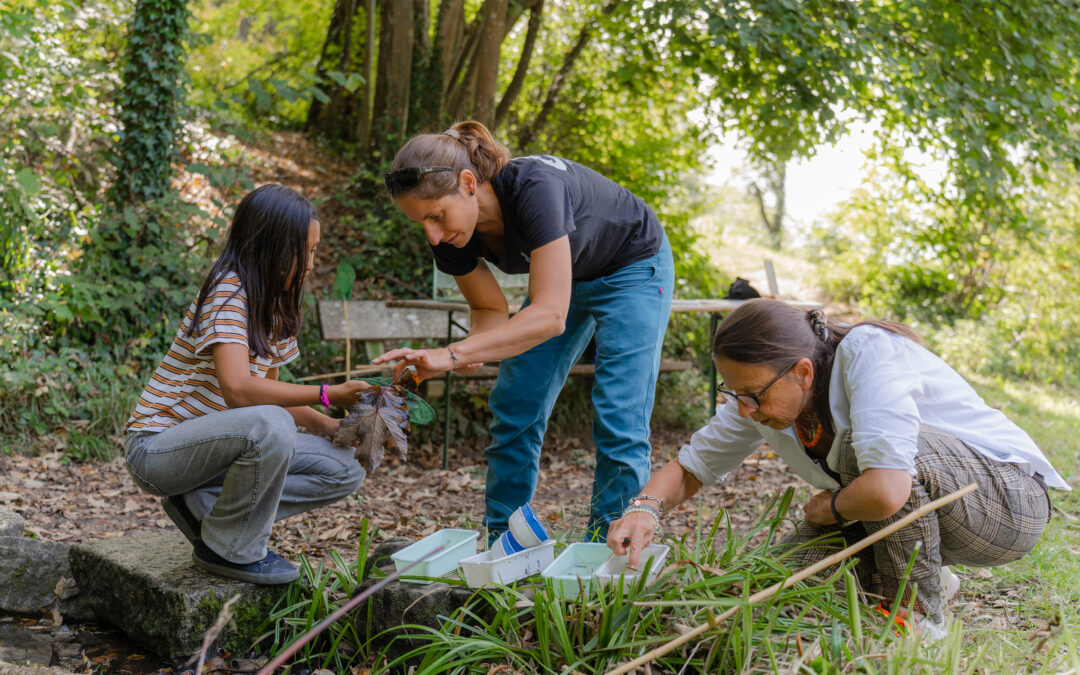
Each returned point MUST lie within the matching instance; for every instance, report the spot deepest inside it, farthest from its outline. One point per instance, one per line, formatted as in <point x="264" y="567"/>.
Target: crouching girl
<point x="214" y="433"/>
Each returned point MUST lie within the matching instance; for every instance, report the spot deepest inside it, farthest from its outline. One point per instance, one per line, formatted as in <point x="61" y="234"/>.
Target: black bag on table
<point x="741" y="289"/>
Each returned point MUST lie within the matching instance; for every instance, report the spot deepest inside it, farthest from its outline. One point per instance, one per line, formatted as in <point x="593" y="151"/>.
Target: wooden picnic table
<point x="715" y="307"/>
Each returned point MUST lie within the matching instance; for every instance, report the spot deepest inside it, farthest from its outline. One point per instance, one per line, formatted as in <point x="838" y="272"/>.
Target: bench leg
<point x="446" y="395"/>
<point x="714" y="321"/>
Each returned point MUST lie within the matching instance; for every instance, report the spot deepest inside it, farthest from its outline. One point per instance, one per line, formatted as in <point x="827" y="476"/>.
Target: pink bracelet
<point x="324" y="398"/>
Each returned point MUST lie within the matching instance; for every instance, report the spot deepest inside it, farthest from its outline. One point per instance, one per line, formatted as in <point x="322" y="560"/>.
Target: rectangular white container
<point x="486" y="569"/>
<point x="458" y="544"/>
<point x="574" y="569"/>
<point x="615" y="567"/>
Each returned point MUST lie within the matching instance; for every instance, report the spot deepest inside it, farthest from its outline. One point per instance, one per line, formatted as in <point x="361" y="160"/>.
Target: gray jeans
<point x="239" y="470"/>
<point x="999" y="523"/>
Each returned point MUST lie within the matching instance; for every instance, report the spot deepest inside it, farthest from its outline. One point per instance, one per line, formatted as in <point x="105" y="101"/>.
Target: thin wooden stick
<point x="349" y="606"/>
<point x="796" y="578"/>
<point x="348" y="341"/>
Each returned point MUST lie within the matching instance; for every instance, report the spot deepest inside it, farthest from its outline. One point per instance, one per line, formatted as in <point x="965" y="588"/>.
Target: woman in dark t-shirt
<point x="599" y="265"/>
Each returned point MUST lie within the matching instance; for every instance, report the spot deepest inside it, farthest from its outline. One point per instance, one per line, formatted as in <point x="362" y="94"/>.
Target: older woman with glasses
<point x="881" y="426"/>
<point x="599" y="265"/>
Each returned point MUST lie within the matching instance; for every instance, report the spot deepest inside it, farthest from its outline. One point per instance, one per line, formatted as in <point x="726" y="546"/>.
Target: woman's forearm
<point x="531" y="326"/>
<point x="673" y="484"/>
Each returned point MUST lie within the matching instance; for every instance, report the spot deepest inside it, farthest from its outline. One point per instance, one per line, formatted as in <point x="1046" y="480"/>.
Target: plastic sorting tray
<point x="458" y="544"/>
<point x="615" y="567"/>
<point x="488" y="569"/>
<point x="574" y="570"/>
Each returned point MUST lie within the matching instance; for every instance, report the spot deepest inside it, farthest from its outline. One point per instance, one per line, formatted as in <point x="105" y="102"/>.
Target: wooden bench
<point x="373" y="321"/>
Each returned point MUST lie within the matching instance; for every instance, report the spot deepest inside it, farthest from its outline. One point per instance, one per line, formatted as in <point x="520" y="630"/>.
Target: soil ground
<point x="92" y="500"/>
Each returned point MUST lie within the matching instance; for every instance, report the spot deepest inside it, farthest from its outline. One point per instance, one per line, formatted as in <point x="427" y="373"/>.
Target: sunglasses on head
<point x="406" y="179"/>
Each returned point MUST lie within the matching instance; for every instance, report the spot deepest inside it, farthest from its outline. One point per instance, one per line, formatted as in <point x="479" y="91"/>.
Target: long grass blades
<point x="800" y="576"/>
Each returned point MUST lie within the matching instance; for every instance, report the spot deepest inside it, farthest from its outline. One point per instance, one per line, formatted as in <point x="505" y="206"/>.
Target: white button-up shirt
<point x="883" y="388"/>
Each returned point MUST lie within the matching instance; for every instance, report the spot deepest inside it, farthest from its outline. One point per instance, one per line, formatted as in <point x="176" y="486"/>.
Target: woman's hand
<point x="428" y="362"/>
<point x="817" y="510"/>
<point x="346" y="394"/>
<point x="631" y="533"/>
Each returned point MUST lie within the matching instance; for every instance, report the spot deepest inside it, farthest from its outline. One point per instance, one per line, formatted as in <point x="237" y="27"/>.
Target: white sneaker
<point x="927" y="629"/>
<point x="950" y="585"/>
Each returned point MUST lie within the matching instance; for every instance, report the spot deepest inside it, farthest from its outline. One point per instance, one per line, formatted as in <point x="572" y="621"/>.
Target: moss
<point x="249" y="612"/>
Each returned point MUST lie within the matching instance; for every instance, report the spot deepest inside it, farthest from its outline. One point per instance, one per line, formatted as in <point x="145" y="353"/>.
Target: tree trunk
<point x="487" y="61"/>
<point x="319" y="118"/>
<point x="449" y="42"/>
<point x="775" y="182"/>
<point x="424" y="108"/>
<point x="391" y="115"/>
<point x="514" y="88"/>
<point x="150" y="101"/>
<point x="364" y="123"/>
<point x="529" y="133"/>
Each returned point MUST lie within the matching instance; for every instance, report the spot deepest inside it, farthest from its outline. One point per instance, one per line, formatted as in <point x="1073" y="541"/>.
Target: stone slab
<point x="147" y="586"/>
<point x="29" y="572"/>
<point x="11" y="524"/>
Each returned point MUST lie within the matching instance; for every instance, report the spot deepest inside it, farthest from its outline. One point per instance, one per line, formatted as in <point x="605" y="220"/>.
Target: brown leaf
<point x="380" y="420"/>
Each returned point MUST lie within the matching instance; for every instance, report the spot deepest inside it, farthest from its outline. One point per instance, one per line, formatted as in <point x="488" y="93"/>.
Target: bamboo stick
<point x="349" y="606"/>
<point x="348" y="341"/>
<point x="796" y="578"/>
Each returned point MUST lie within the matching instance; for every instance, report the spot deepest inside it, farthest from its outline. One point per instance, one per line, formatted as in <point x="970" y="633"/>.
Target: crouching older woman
<point x="881" y="426"/>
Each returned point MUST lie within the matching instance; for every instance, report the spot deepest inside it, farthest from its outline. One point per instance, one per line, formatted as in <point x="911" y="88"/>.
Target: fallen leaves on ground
<point x="93" y="500"/>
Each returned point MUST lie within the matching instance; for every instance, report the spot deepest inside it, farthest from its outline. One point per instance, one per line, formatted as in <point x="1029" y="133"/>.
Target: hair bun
<point x="819" y="324"/>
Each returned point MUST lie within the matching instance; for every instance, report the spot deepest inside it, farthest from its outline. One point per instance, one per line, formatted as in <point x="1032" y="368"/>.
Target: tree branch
<point x="559" y="81"/>
<point x="514" y="89"/>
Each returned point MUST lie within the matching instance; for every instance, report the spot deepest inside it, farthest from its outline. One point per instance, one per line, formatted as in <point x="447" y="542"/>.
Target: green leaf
<point x="28" y="180"/>
<point x="262" y="97"/>
<point x="343" y="281"/>
<point x="336" y="76"/>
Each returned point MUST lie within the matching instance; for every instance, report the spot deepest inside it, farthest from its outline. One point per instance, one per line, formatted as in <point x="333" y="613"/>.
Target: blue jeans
<point x="241" y="469"/>
<point x="628" y="313"/>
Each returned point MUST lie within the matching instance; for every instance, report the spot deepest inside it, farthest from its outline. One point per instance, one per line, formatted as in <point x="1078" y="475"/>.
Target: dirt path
<point x="91" y="500"/>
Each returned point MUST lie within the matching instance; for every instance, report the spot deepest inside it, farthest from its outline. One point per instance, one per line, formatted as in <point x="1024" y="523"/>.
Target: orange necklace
<point x="817" y="434"/>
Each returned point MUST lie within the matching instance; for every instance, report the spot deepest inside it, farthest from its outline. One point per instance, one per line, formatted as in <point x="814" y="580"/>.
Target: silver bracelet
<point x="453" y="357"/>
<point x="644" y="509"/>
<point x="636" y="501"/>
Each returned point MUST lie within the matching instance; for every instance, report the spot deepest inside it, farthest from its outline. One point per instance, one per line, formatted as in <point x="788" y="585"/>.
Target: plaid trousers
<point x="997" y="524"/>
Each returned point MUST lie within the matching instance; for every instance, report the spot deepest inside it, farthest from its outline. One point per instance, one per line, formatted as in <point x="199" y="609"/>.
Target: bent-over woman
<point x="881" y="426"/>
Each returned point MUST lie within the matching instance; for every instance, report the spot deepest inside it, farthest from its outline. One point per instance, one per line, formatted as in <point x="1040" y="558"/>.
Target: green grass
<point x="1018" y="618"/>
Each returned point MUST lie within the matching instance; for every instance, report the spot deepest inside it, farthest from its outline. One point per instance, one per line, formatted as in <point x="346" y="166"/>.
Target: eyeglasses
<point x="752" y="401"/>
<point x="408" y="178"/>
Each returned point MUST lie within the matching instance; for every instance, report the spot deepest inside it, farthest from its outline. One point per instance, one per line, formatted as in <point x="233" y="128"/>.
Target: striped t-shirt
<point x="185" y="385"/>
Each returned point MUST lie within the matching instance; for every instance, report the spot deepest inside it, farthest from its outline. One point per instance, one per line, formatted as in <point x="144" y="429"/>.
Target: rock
<point x="147" y="586"/>
<point x="380" y="555"/>
<point x="29" y="573"/>
<point x="11" y="524"/>
<point x="405" y="603"/>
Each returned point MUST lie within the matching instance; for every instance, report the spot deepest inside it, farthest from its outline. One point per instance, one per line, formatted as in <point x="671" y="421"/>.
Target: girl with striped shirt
<point x="214" y="432"/>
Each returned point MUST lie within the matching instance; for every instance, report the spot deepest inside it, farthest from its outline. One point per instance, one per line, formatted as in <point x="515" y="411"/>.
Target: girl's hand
<point x="817" y="511"/>
<point x="633" y="532"/>
<point x="346" y="394"/>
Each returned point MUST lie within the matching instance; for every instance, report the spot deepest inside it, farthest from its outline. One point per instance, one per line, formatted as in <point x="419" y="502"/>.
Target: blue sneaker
<point x="273" y="569"/>
<point x="181" y="515"/>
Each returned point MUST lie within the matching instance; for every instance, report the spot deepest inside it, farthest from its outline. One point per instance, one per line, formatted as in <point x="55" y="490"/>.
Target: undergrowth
<point x="823" y="625"/>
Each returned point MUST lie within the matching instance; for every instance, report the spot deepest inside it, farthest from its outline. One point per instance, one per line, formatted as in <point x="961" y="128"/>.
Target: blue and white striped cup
<point x="526" y="526"/>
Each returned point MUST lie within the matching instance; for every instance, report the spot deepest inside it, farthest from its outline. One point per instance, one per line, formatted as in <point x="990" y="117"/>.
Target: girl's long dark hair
<point x="771" y="333"/>
<point x="267" y="248"/>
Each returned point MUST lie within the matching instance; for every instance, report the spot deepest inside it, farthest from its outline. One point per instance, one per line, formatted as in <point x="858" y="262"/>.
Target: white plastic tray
<point x="615" y="567"/>
<point x="485" y="569"/>
<point x="574" y="569"/>
<point x="458" y="544"/>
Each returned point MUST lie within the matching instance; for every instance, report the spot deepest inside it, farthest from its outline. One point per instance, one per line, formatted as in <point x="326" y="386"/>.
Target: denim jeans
<point x="628" y="313"/>
<point x="239" y="470"/>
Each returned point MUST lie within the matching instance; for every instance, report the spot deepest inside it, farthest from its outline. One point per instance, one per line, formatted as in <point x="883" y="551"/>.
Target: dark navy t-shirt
<point x="545" y="197"/>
